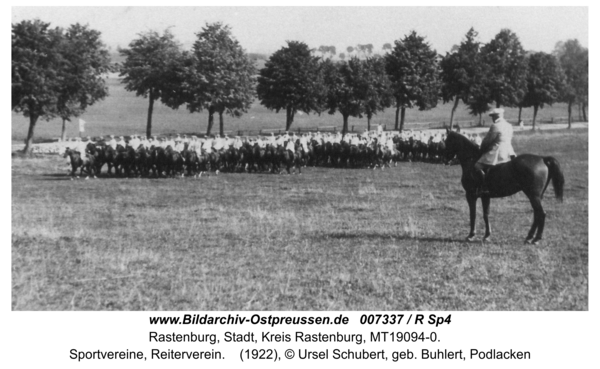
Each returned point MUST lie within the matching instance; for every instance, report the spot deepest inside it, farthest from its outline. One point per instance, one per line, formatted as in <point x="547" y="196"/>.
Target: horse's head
<point x="458" y="145"/>
<point x="452" y="144"/>
<point x="91" y="148"/>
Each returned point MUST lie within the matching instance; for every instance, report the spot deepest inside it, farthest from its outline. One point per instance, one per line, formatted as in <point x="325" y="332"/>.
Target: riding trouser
<point x="479" y="172"/>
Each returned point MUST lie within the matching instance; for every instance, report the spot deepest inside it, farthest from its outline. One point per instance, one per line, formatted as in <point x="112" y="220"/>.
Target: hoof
<point x="536" y="242"/>
<point x="528" y="241"/>
<point x="470" y="238"/>
<point x="486" y="240"/>
<point x="71" y="178"/>
<point x="86" y="178"/>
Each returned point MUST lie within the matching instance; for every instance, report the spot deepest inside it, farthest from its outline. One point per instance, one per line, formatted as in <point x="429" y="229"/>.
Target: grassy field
<point x="122" y="113"/>
<point x="330" y="239"/>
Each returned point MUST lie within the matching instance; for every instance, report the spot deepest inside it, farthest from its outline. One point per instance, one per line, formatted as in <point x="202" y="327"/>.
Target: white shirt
<point x="390" y="145"/>
<point x="178" y="146"/>
<point x="207" y="145"/>
<point x="135" y="142"/>
<point x="237" y="144"/>
<point x="290" y="146"/>
<point x="218" y="143"/>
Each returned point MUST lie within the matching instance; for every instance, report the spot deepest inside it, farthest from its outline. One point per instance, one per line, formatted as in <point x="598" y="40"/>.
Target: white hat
<point x="497" y="111"/>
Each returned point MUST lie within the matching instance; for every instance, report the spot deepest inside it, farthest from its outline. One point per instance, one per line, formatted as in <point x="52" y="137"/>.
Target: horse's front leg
<point x="472" y="201"/>
<point x="485" y="201"/>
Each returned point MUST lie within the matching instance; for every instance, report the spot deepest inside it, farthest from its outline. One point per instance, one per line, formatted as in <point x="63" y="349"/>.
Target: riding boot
<point x="481" y="185"/>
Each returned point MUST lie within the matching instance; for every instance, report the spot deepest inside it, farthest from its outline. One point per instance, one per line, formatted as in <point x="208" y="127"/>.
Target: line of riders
<point x="193" y="156"/>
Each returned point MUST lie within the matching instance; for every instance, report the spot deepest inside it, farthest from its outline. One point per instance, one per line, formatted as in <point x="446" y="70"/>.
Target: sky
<point x="266" y="29"/>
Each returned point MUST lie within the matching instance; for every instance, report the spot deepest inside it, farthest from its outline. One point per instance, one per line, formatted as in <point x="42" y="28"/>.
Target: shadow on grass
<point x="387" y="236"/>
<point x="67" y="176"/>
<point x="52" y="177"/>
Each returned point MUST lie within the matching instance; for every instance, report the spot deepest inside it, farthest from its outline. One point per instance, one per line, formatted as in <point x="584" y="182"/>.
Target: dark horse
<point x="528" y="173"/>
<point x="78" y="163"/>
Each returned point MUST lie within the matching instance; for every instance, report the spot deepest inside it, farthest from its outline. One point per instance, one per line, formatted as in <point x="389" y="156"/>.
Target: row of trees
<point x="60" y="72"/>
<point x="501" y="72"/>
<point x="360" y="50"/>
<point x="56" y="72"/>
<point x="217" y="77"/>
<point x="411" y="75"/>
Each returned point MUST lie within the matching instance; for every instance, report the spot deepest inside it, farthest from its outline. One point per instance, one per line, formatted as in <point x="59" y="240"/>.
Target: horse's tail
<point x="557" y="177"/>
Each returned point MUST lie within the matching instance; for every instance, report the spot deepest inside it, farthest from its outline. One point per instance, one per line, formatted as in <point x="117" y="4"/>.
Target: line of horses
<point x="250" y="157"/>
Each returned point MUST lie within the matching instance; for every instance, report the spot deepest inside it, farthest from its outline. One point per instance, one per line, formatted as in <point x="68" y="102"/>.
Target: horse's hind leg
<point x="539" y="218"/>
<point x="485" y="201"/>
<point x="532" y="229"/>
<point x="541" y="224"/>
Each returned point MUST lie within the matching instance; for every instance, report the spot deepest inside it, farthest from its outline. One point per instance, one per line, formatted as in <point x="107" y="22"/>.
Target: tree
<point x="327" y="50"/>
<point x="35" y="78"/>
<point x="366" y="49"/>
<point x="290" y="81"/>
<point x="507" y="71"/>
<point x="462" y="70"/>
<point x="55" y="73"/>
<point x="342" y="56"/>
<point x="221" y="77"/>
<point x="347" y="84"/>
<point x="479" y="100"/>
<point x="414" y="74"/>
<point x="323" y="50"/>
<point x="574" y="61"/>
<point x="332" y="50"/>
<point x="378" y="94"/>
<point x="85" y="63"/>
<point x="147" y="65"/>
<point x="545" y="79"/>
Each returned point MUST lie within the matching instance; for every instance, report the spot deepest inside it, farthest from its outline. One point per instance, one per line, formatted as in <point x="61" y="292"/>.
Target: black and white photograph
<point x="216" y="184"/>
<point x="299" y="158"/>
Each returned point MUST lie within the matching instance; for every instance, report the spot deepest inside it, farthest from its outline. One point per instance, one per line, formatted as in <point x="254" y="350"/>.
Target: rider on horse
<point x="81" y="147"/>
<point x="496" y="148"/>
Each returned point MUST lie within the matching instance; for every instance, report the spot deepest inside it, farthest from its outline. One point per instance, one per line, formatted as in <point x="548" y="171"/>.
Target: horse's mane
<point x="465" y="142"/>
